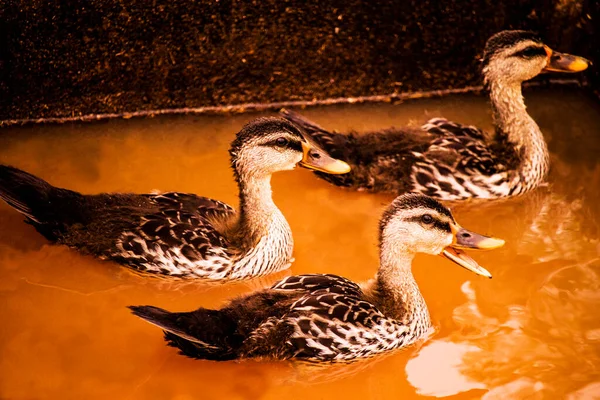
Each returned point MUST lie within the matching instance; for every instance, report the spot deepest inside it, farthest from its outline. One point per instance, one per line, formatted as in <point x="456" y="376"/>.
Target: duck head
<point x="268" y="145"/>
<point x="415" y="223"/>
<point x="512" y="57"/>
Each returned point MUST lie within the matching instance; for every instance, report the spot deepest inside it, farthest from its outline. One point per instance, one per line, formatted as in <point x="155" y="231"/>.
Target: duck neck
<point x="396" y="290"/>
<point x="261" y="231"/>
<point x="514" y="124"/>
<point x="257" y="208"/>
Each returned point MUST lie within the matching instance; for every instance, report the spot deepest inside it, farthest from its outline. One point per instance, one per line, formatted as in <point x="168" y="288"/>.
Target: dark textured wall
<point x="78" y="57"/>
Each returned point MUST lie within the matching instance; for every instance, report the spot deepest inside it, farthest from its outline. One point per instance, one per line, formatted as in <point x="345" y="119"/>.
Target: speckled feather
<point x="170" y="233"/>
<point x="322" y="317"/>
<point x="311" y="317"/>
<point x="442" y="159"/>
<point x="175" y="234"/>
<point x="179" y="239"/>
<point x="447" y="160"/>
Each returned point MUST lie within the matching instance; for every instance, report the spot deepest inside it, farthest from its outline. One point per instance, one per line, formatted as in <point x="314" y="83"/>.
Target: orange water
<point x="531" y="332"/>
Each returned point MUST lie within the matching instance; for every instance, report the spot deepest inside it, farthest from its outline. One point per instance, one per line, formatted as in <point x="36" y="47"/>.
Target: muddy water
<point x="531" y="332"/>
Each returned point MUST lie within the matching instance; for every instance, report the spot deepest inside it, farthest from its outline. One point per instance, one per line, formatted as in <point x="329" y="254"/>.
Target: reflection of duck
<point x="179" y="234"/>
<point x="327" y="317"/>
<point x="546" y="348"/>
<point x="547" y="225"/>
<point x="452" y="161"/>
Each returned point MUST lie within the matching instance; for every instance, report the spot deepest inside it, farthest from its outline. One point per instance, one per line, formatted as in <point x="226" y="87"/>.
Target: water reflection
<point x="547" y="348"/>
<point x="536" y="334"/>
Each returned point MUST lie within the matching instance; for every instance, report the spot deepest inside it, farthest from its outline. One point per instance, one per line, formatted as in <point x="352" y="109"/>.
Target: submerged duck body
<point x="181" y="234"/>
<point x="321" y="317"/>
<point x="450" y="161"/>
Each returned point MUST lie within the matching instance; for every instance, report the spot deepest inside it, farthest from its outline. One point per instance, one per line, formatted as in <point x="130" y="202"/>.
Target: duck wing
<point x="399" y="160"/>
<point x="314" y="282"/>
<point x="330" y="326"/>
<point x="461" y="148"/>
<point x="189" y="202"/>
<point x="179" y="238"/>
<point x="332" y="321"/>
<point x="461" y="162"/>
<point x="443" y="127"/>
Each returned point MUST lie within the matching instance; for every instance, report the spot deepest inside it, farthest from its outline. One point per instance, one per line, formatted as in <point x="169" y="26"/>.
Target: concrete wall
<point x="79" y="57"/>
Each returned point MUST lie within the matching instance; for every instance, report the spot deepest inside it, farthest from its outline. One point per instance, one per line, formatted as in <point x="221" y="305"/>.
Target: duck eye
<point x="281" y="142"/>
<point x="427" y="219"/>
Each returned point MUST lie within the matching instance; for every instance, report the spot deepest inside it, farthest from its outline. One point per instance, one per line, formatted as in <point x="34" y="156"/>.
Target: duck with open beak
<point x="561" y="62"/>
<point x="464" y="239"/>
<point x="317" y="159"/>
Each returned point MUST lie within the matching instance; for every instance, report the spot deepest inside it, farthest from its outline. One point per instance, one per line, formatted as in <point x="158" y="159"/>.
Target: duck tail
<point x="299" y="120"/>
<point x="49" y="209"/>
<point x="320" y="135"/>
<point x="204" y="334"/>
<point x="23" y="191"/>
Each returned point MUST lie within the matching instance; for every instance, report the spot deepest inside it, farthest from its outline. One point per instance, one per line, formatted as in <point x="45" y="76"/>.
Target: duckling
<point x="451" y="161"/>
<point x="322" y="317"/>
<point x="180" y="234"/>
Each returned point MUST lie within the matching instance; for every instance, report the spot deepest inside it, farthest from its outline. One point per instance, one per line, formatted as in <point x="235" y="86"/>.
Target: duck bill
<point x="464" y="239"/>
<point x="560" y="62"/>
<point x="461" y="258"/>
<point x="316" y="158"/>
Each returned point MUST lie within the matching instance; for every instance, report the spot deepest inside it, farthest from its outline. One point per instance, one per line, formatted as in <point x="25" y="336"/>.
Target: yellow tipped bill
<point x="560" y="62"/>
<point x="318" y="159"/>
<point x="464" y="239"/>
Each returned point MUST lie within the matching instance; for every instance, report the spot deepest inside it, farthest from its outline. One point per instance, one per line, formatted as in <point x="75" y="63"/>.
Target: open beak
<point x="464" y="239"/>
<point x="559" y="62"/>
<point x="318" y="159"/>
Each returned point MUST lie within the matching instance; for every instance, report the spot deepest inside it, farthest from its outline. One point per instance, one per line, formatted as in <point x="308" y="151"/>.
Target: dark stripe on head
<point x="411" y="201"/>
<point x="295" y="145"/>
<point x="531" y="51"/>
<point x="505" y="39"/>
<point x="442" y="226"/>
<point x="291" y="144"/>
<point x="416" y="200"/>
<point x="261" y="127"/>
<point x="437" y="224"/>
